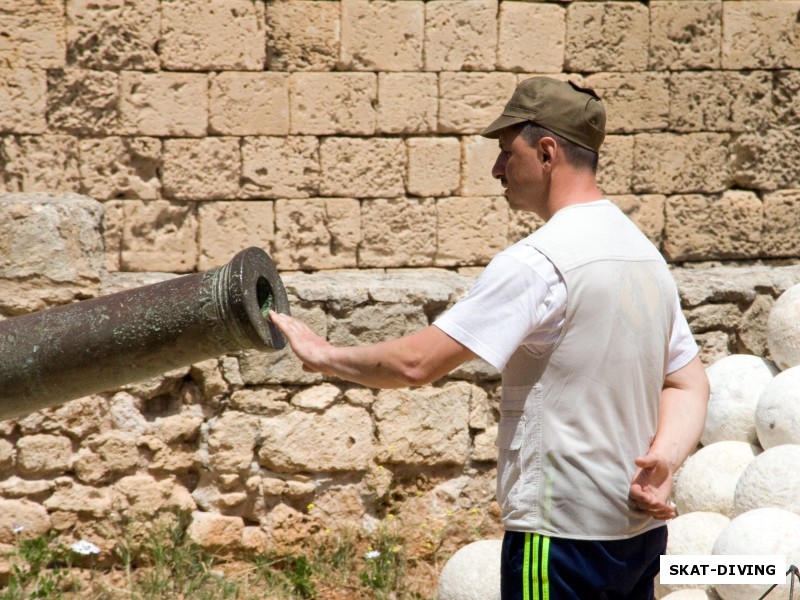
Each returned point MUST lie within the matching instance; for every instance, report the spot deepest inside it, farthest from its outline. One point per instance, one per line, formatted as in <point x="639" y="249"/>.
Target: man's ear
<point x="548" y="149"/>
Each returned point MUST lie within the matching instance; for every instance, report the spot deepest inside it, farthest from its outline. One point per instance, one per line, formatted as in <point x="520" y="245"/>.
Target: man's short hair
<point x="577" y="156"/>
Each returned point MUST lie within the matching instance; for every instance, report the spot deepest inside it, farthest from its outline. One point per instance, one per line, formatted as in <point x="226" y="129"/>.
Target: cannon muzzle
<point x="63" y="353"/>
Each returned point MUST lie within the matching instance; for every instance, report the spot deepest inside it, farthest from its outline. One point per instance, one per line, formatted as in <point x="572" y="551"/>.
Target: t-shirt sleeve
<point x="682" y="346"/>
<point x="504" y="306"/>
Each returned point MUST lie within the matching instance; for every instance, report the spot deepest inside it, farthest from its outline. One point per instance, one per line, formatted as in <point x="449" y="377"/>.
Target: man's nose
<point x="499" y="168"/>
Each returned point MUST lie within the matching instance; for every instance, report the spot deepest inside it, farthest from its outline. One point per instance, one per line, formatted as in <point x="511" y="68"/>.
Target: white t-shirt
<point x="520" y="299"/>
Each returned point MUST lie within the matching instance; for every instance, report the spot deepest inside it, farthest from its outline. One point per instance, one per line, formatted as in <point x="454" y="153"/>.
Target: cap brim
<point x="500" y="123"/>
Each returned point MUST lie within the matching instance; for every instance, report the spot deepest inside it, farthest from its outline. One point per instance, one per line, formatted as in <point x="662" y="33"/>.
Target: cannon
<point x="70" y="351"/>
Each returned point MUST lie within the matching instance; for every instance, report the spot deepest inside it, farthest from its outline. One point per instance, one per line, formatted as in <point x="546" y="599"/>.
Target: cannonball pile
<point x="739" y="493"/>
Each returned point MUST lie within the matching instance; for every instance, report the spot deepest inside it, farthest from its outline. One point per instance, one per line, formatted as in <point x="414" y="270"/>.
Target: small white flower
<point x="372" y="554"/>
<point x="17" y="529"/>
<point x="85" y="548"/>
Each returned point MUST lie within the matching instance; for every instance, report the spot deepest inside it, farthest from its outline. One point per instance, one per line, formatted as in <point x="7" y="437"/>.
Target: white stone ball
<point x="778" y="410"/>
<point x="692" y="533"/>
<point x="472" y="573"/>
<point x="760" y="531"/>
<point x="771" y="479"/>
<point x="736" y="385"/>
<point x="707" y="480"/>
<point x="783" y="329"/>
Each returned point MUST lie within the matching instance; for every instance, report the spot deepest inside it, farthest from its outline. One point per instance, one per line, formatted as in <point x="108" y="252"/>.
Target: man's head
<point x="549" y="135"/>
<point x="574" y="113"/>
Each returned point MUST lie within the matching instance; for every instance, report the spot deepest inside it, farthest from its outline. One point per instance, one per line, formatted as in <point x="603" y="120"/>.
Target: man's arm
<point x="412" y="360"/>
<point x="681" y="418"/>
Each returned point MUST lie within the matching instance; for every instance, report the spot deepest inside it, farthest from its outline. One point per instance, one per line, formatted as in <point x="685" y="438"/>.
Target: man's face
<point x="519" y="169"/>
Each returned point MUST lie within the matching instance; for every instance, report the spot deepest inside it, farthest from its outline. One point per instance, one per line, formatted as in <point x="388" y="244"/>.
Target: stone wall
<point x="149" y="139"/>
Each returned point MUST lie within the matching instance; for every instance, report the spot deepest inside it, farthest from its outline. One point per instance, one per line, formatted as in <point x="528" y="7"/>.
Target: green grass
<point x="161" y="562"/>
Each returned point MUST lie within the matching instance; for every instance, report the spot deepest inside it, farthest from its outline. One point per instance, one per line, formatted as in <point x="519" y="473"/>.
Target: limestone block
<point x="362" y="167"/>
<point x="607" y="36"/>
<point x="516" y="52"/>
<point x="694" y="223"/>
<point x="120" y="167"/>
<point x="33" y="35"/>
<point x="113" y="35"/>
<point x="760" y="531"/>
<point x="382" y="36"/>
<point x="204" y="169"/>
<point x="376" y="323"/>
<point x="423" y="425"/>
<point x="472" y="573"/>
<point x="225" y="228"/>
<point x="340" y="439"/>
<point x="469" y="102"/>
<point x="634" y="101"/>
<point x="685" y="35"/>
<point x="23" y="100"/>
<point x="105" y="455"/>
<point x="143" y="495"/>
<point x="470" y="230"/>
<point x="318" y="233"/>
<point x="333" y="103"/>
<point x="765" y="481"/>
<point x="707" y="480"/>
<point x="75" y="419"/>
<point x="783" y="329"/>
<point x="673" y="163"/>
<point x="397" y="232"/>
<point x="720" y="101"/>
<point x="303" y="35"/>
<point x="282" y="367"/>
<point x="786" y="99"/>
<point x="766" y="160"/>
<point x="261" y="401"/>
<point x="460" y="36"/>
<point x="760" y="35"/>
<point x="215" y="531"/>
<point x="113" y="221"/>
<point x="41" y="163"/>
<point x="694" y="534"/>
<point x="647" y="212"/>
<point x="44" y="455"/>
<point x="249" y="104"/>
<point x="125" y="415"/>
<point x="479" y="155"/>
<point x="737" y="382"/>
<point x="231" y="442"/>
<point x="163" y="103"/>
<point x="752" y="328"/>
<point x="484" y="448"/>
<point x="280" y="167"/>
<point x="407" y="102"/>
<point x="725" y="316"/>
<point x="31" y="517"/>
<point x="7" y="453"/>
<point x="434" y="166"/>
<point x="55" y="237"/>
<point x="781" y="223"/>
<point x="159" y="236"/>
<point x="615" y="168"/>
<point x="220" y="35"/>
<point x="70" y="497"/>
<point x="318" y="397"/>
<point x="83" y="102"/>
<point x="182" y="427"/>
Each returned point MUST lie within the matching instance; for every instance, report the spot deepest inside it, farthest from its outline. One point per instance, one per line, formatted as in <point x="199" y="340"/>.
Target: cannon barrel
<point x="66" y="352"/>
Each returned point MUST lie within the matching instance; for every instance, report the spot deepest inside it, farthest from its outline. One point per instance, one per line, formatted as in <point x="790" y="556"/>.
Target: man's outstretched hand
<point x="310" y="348"/>
<point x="651" y="487"/>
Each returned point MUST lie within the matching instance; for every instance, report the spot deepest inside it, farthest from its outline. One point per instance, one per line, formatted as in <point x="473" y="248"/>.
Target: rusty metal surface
<point x="67" y="352"/>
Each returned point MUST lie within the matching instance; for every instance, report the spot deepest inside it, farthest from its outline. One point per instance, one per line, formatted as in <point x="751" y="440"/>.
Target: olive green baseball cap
<point x="572" y="112"/>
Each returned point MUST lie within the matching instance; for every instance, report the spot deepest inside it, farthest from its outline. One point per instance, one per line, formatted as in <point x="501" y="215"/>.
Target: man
<point x="603" y="393"/>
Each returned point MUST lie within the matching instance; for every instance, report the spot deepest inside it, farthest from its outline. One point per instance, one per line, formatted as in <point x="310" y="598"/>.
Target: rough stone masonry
<point x="139" y="140"/>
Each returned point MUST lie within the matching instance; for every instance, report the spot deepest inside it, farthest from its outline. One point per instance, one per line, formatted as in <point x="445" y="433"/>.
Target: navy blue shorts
<point x="538" y="567"/>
